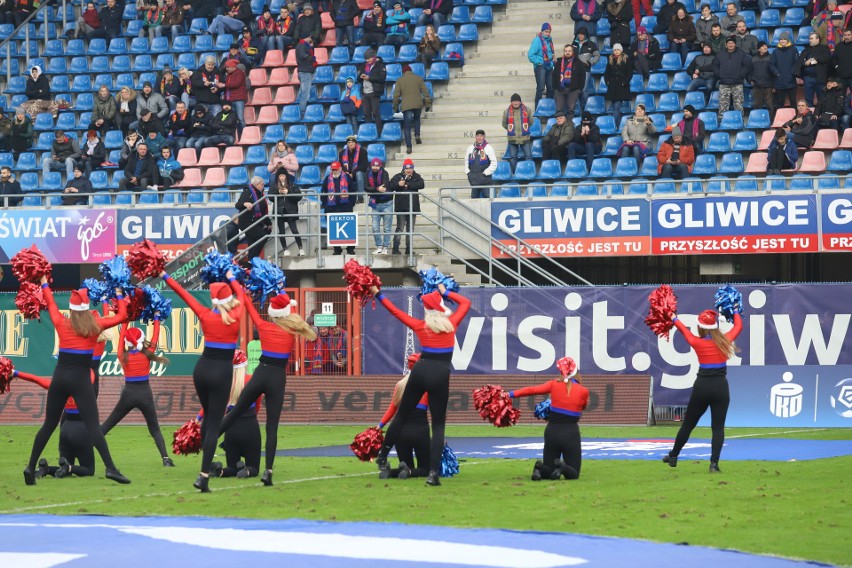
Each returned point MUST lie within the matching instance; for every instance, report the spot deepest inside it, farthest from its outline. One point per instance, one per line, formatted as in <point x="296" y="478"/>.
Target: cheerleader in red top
<point x="431" y="374"/>
<point x="713" y="348"/>
<point x="414" y="435"/>
<point x="568" y="399"/>
<point x="74" y="441"/>
<point x="72" y="376"/>
<point x="100" y="347"/>
<point x="212" y="373"/>
<point x="270" y="376"/>
<point x="135" y="355"/>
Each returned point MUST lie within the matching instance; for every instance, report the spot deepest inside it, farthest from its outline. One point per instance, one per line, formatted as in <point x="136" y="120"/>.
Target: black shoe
<point x="63" y="470"/>
<point x="201" y="483"/>
<point x="266" y="478"/>
<point x="384" y="468"/>
<point x="569" y="472"/>
<point x="670" y="459"/>
<point x="42" y="469"/>
<point x="557" y="470"/>
<point x="714" y="468"/>
<point x="167" y="462"/>
<point x="408" y="150"/>
<point x="116" y="476"/>
<point x="29" y="476"/>
<point x="433" y="479"/>
<point x="216" y="469"/>
<point x="418" y="140"/>
<point x="536" y="474"/>
<point x="242" y="470"/>
<point x="395" y="251"/>
<point x="404" y="471"/>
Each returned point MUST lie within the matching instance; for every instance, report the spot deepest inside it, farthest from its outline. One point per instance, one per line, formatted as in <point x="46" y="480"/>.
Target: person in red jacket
<point x="212" y="373"/>
<point x="77" y="335"/>
<point x="270" y="377"/>
<point x="431" y="374"/>
<point x="568" y="398"/>
<point x="414" y="436"/>
<point x="135" y="355"/>
<point x="236" y="91"/>
<point x="713" y="348"/>
<point x="75" y="445"/>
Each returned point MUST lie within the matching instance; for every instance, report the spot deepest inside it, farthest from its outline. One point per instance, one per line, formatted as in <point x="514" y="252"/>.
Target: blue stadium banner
<point x="735" y="225"/>
<point x="174" y="229"/>
<point x="836" y="213"/>
<point x="573" y="228"/>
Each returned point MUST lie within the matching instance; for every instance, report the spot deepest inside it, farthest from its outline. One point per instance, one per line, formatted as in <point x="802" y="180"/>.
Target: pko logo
<point x="841" y="398"/>
<point x="785" y="399"/>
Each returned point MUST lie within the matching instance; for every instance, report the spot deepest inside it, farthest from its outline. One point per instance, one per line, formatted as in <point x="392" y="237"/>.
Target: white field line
<point x="776" y="433"/>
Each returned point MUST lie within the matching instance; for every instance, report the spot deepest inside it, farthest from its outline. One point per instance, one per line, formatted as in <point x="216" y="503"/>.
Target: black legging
<point x="75" y="444"/>
<point x="96" y="372"/>
<point x="269" y="380"/>
<point x="428" y="376"/>
<point x="561" y="440"/>
<point x="71" y="378"/>
<point x="709" y="391"/>
<point x="414" y="440"/>
<point x="242" y="442"/>
<point x="285" y="220"/>
<point x="137" y="394"/>
<point x="212" y="380"/>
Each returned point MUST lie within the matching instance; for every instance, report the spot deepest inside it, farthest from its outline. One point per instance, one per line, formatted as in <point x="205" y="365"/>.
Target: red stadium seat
<point x="209" y="157"/>
<point x="251" y="136"/>
<point x="757" y="163"/>
<point x="813" y="163"/>
<point x="233" y="156"/>
<point x="214" y="177"/>
<point x="267" y="115"/>
<point x="321" y="53"/>
<point x="284" y="96"/>
<point x="249" y="115"/>
<point x="782" y="115"/>
<point x="330" y="39"/>
<point x="279" y="76"/>
<point x="275" y="58"/>
<point x="257" y="77"/>
<point x="765" y="139"/>
<point x="327" y="22"/>
<point x="191" y="177"/>
<point x="826" y="140"/>
<point x="260" y="96"/>
<point x="187" y="157"/>
<point x="291" y="59"/>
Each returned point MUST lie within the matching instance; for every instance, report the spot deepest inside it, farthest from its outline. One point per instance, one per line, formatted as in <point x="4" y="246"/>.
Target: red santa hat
<point x="412" y="359"/>
<point x="708" y="320"/>
<point x="220" y="293"/>
<point x="134" y="339"/>
<point x="240" y="359"/>
<point x="568" y="367"/>
<point x="433" y="301"/>
<point x="280" y="306"/>
<point x="79" y="301"/>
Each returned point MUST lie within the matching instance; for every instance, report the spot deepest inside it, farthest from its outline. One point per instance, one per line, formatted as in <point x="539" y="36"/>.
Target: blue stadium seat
<point x="116" y="179"/>
<point x="330" y="92"/>
<point x="746" y="183"/>
<point x="101" y="199"/>
<point x="626" y="168"/>
<point x="646" y="99"/>
<point x="393" y="72"/>
<point x="172" y="196"/>
<point x="663" y="187"/>
<point x="119" y="64"/>
<point x="223" y="42"/>
<point x="801" y="182"/>
<point x="221" y="196"/>
<point x="81" y="84"/>
<point x="602" y="29"/>
<point x="576" y="169"/>
<point x="717" y="185"/>
<point x="606" y="124"/>
<point x="17" y="85"/>
<point x="387" y="53"/>
<point x="669" y="102"/>
<point x="680" y="82"/>
<point x="60" y="84"/>
<point x="7" y="160"/>
<point x="159" y="45"/>
<point x="43" y="121"/>
<point x="320" y="134"/>
<point x="709" y="119"/>
<point x="612" y="145"/>
<point x="586" y="189"/>
<point x="828" y="182"/>
<point x="379" y="151"/>
<point x="447" y="33"/>
<point x="718" y="142"/>
<point x="52" y="182"/>
<point x="482" y="15"/>
<point x="503" y="172"/>
<point x="407" y="53"/>
<point x="68" y="121"/>
<point x="341" y="132"/>
<point x="595" y="104"/>
<point x="304" y="154"/>
<point x="298" y="134"/>
<point x="129" y="12"/>
<point x="118" y="46"/>
<point x="731" y="120"/>
<point x="672" y="62"/>
<point x="358" y="54"/>
<point x="339" y="55"/>
<point x="545" y="108"/>
<point x="187" y="60"/>
<point x="346" y="71"/>
<point x="124" y="198"/>
<point x="164" y="60"/>
<point x="638" y="188"/>
<point x="391" y="132"/>
<point x="133" y="28"/>
<point x="705" y="165"/>
<point x="745" y="141"/>
<point x="148" y="76"/>
<point x="198" y="197"/>
<point x="509" y="191"/>
<point x="637" y="83"/>
<point x="183" y="44"/>
<point x="695" y="98"/>
<point x="44" y="141"/>
<point x="326" y="153"/>
<point x="334" y="115"/>
<point x="840" y="161"/>
<point x="124" y="80"/>
<point x="560" y="190"/>
<point x="198" y="26"/>
<point x="775" y="183"/>
<point x="771" y="18"/>
<point x="149" y="198"/>
<point x="54" y="48"/>
<point x="273" y="133"/>
<point x="113" y="139"/>
<point x="758" y="119"/>
<point x="732" y="164"/>
<point x="310" y="175"/>
<point x="460" y="15"/>
<point x="658" y="83"/>
<point x="601" y="168"/>
<point x="256" y="155"/>
<point x="27" y="162"/>
<point x="31" y="201"/>
<point x="29" y="181"/>
<point x="467" y="32"/>
<point x="99" y="180"/>
<point x="524" y="171"/>
<point x="142" y="63"/>
<point x="440" y="71"/>
<point x="550" y="170"/>
<point x="313" y="113"/>
<point x="792" y="16"/>
<point x="56" y="65"/>
<point x="367" y="132"/>
<point x="324" y="74"/>
<point x="238" y="176"/>
<point x="750" y="18"/>
<point x="290" y="114"/>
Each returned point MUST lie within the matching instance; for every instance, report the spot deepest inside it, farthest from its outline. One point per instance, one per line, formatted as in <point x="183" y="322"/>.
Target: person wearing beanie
<point x="79" y="184"/>
<point x="307" y="24"/>
<point x="785" y="61"/>
<point x="675" y="157"/>
<point x="344" y="14"/>
<point x="380" y="194"/>
<point x="586" y="14"/>
<point x="618" y="73"/>
<point x="701" y="71"/>
<point x="681" y="34"/>
<point x="374" y="27"/>
<point x="479" y="163"/>
<point x="541" y="55"/>
<point x="732" y="67"/>
<point x="829" y="24"/>
<point x="554" y="145"/>
<point x="373" y="75"/>
<point x="236" y="54"/>
<point x="336" y="197"/>
<point x="569" y="78"/>
<point x="619" y="13"/>
<point x="411" y="97"/>
<point x="587" y="140"/>
<point x="517" y="121"/>
<point x="152" y="20"/>
<point x="236" y="91"/>
<point x="711" y="386"/>
<point x="762" y="78"/>
<point x="396" y="32"/>
<point x="645" y="52"/>
<point x="151" y="100"/>
<point x="92" y="153"/>
<point x="406" y="203"/>
<point x="21" y="133"/>
<point x="354" y="161"/>
<point x="252" y="220"/>
<point x="694" y="128"/>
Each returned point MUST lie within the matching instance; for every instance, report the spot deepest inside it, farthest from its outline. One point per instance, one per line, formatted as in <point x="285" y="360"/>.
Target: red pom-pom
<point x="663" y="304"/>
<point x="495" y="405"/>
<point x="359" y="280"/>
<point x="367" y="444"/>
<point x="135" y="304"/>
<point x="6" y="369"/>
<point x="30" y="301"/>
<point x="187" y="439"/>
<point x="145" y="260"/>
<point x="29" y="265"/>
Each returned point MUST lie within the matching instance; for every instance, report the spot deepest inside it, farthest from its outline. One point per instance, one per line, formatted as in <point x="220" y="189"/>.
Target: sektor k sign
<point x="71" y="236"/>
<point x="342" y="229"/>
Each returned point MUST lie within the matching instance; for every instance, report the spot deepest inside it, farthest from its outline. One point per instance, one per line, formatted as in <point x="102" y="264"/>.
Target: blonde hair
<point x="438" y="322"/>
<point x="110" y="334"/>
<point x="293" y="323"/>
<point x="723" y="344"/>
<point x="84" y="323"/>
<point x="399" y="389"/>
<point x="225" y="311"/>
<point x="570" y="383"/>
<point x="237" y="384"/>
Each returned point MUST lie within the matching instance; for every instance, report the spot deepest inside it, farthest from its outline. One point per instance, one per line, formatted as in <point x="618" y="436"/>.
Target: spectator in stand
<point x="5" y="131"/>
<point x="665" y="15"/>
<point x="636" y="134"/>
<point x="251" y="48"/>
<point x="92" y="154"/>
<point x="730" y="19"/>
<point x="148" y="123"/>
<point x="77" y="184"/>
<point x="554" y="145"/>
<point x="350" y="102"/>
<point x="234" y="53"/>
<point x="646" y="53"/>
<point x="569" y="78"/>
<point x="103" y="112"/>
<point x="7" y="11"/>
<point x="335" y="197"/>
<point x="785" y="61"/>
<point x="812" y="68"/>
<point x="200" y="128"/>
<point x="306" y="63"/>
<point x="151" y="100"/>
<point x="111" y="16"/>
<point x="435" y="12"/>
<point x="831" y="108"/>
<point x="238" y="16"/>
<point x="429" y="47"/>
<point x="179" y="126"/>
<point x="587" y="52"/>
<point x="480" y="161"/>
<point x="252" y="219"/>
<point x="151" y="22"/>
<point x="618" y="74"/>
<point x="21" y="135"/>
<point x="308" y="24"/>
<point x="266" y="30"/>
<point x="732" y="67"/>
<point x="169" y="170"/>
<point x="704" y="25"/>
<point x="373" y="75"/>
<point x="89" y="23"/>
<point x="411" y="97"/>
<point x="128" y="147"/>
<point x="354" y="162"/>
<point x="38" y="86"/>
<point x="829" y="25"/>
<point x="541" y="55"/>
<point x="207" y="9"/>
<point x="517" y="121"/>
<point x="587" y="140"/>
<point x="173" y="19"/>
<point x="286" y="196"/>
<point x="619" y="13"/>
<point x="63" y="155"/>
<point x="374" y="27"/>
<point x="282" y="156"/>
<point x="156" y="142"/>
<point x="207" y="85"/>
<point x="170" y="89"/>
<point x="762" y="79"/>
<point x="223" y="129"/>
<point x="236" y="91"/>
<point x="782" y="153"/>
<point x="586" y="14"/>
<point x="717" y="39"/>
<point x="406" y="186"/>
<point x="693" y="128"/>
<point x="381" y="202"/>
<point x="675" y="157"/>
<point x="396" y="32"/>
<point x="681" y="34"/>
<point x="746" y="41"/>
<point x="186" y="93"/>
<point x="281" y="39"/>
<point x="641" y="7"/>
<point x="141" y="170"/>
<point x="344" y="15"/>
<point x="842" y="59"/>
<point x="10" y="189"/>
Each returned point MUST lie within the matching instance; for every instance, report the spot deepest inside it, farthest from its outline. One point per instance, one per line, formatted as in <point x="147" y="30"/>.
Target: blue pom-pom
<point x="728" y="301"/>
<point x="449" y="462"/>
<point x="157" y="307"/>
<point x="98" y="289"/>
<point x="264" y="280"/>
<point x="217" y="268"/>
<point x="542" y="410"/>
<point x="116" y="275"/>
<point x="432" y="278"/>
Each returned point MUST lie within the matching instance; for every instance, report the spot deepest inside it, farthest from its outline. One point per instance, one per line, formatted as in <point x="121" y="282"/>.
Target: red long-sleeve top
<point x="430" y="341"/>
<point x="391" y="411"/>
<point x="709" y="356"/>
<point x="44" y="382"/>
<point x="69" y="341"/>
<point x="138" y="366"/>
<point x="100" y="346"/>
<point x="216" y="333"/>
<point x="275" y="343"/>
<point x="561" y="401"/>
